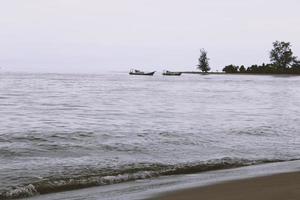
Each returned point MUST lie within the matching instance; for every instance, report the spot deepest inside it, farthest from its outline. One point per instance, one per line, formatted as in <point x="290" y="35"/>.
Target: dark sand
<point x="276" y="187"/>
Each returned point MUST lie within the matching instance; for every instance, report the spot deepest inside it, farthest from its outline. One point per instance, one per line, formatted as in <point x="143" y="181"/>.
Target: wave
<point x="124" y="174"/>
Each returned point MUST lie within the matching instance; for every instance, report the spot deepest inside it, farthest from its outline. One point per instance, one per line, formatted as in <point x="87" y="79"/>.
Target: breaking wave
<point x="124" y="174"/>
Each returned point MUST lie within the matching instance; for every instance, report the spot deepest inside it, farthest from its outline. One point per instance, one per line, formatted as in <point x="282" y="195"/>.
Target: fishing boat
<point x="138" y="72"/>
<point x="168" y="73"/>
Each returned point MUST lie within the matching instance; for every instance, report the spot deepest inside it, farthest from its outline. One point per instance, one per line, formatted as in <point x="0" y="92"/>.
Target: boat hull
<point x="142" y="73"/>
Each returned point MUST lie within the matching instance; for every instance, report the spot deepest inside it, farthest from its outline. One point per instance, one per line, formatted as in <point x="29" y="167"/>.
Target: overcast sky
<point x="107" y="35"/>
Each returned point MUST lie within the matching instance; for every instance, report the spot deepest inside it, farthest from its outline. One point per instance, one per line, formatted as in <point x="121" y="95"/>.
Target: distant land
<point x="282" y="61"/>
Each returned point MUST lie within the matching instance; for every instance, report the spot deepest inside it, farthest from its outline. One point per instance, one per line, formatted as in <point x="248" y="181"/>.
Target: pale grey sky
<point x="102" y="35"/>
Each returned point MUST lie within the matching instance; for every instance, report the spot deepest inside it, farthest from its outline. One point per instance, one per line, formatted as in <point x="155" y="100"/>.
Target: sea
<point x="62" y="132"/>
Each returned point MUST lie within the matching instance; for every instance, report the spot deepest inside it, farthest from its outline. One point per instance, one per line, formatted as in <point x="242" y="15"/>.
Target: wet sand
<point x="276" y="187"/>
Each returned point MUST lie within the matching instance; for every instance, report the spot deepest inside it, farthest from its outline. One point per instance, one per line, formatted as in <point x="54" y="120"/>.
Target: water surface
<point x="61" y="132"/>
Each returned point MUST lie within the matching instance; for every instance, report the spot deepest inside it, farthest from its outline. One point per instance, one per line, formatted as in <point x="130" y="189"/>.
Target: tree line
<point x="282" y="61"/>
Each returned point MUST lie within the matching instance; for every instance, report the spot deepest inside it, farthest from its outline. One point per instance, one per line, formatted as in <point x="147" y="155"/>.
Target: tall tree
<point x="203" y="61"/>
<point x="281" y="55"/>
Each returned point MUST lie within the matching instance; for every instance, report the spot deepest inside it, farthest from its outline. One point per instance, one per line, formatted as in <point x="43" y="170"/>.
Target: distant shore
<point x="274" y="187"/>
<point x="223" y="73"/>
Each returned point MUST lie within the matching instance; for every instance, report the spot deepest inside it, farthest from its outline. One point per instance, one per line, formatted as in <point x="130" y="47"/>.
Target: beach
<point x="274" y="187"/>
<point x="150" y="100"/>
<point x="237" y="183"/>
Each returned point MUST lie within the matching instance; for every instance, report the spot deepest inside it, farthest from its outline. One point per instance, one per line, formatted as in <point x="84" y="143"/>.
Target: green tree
<point x="242" y="69"/>
<point x="203" y="61"/>
<point x="231" y="69"/>
<point x="281" y="56"/>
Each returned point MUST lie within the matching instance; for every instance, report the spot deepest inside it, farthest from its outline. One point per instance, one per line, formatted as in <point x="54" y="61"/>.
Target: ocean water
<point x="61" y="132"/>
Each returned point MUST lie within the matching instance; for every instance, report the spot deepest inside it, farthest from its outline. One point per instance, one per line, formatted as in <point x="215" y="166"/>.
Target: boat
<point x="168" y="73"/>
<point x="138" y="72"/>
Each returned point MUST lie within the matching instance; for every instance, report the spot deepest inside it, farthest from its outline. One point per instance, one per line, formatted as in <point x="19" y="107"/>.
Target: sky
<point x="93" y="36"/>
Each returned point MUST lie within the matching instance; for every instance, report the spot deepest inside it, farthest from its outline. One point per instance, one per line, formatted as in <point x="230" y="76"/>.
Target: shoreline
<point x="238" y="73"/>
<point x="156" y="188"/>
<point x="270" y="187"/>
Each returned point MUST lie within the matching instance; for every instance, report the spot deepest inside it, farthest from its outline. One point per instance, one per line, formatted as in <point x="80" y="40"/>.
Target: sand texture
<point x="276" y="187"/>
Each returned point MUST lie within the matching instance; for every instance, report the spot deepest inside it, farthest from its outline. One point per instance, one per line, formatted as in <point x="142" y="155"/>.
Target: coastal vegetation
<point x="282" y="61"/>
<point x="203" y="61"/>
